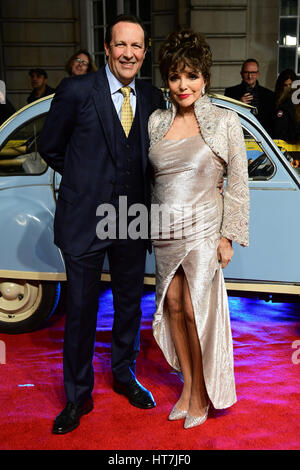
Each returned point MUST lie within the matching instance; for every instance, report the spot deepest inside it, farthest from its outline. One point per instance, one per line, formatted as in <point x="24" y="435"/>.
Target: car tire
<point x="25" y="305"/>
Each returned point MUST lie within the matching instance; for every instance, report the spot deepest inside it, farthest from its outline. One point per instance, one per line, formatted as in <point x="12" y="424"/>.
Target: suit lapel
<point x="143" y="110"/>
<point x="104" y="108"/>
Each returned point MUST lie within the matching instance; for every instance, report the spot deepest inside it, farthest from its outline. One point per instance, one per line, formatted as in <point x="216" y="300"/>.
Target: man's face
<point x="38" y="81"/>
<point x="250" y="73"/>
<point x="126" y="52"/>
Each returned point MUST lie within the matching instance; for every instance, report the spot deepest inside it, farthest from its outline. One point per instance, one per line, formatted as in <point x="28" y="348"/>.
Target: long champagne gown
<point x="185" y="190"/>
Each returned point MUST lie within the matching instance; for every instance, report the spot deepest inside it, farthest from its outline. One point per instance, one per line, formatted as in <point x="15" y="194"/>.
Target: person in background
<point x="286" y="124"/>
<point x="80" y="63"/>
<point x="39" y="79"/>
<point x="249" y="91"/>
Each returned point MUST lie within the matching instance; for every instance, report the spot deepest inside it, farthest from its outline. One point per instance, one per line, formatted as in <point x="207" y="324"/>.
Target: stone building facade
<point x="45" y="33"/>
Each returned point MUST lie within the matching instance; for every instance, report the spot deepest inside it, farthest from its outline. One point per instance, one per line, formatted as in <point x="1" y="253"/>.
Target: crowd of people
<point x="80" y="63"/>
<point x="276" y="110"/>
<point x="278" y="113"/>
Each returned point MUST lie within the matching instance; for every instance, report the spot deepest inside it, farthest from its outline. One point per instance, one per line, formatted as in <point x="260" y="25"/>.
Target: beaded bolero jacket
<point x="222" y="132"/>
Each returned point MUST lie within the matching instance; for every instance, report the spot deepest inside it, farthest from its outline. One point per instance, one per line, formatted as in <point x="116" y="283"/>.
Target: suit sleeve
<point x="59" y="125"/>
<point x="235" y="225"/>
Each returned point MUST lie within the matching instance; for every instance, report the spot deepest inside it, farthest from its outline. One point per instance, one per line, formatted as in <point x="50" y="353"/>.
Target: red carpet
<point x="267" y="371"/>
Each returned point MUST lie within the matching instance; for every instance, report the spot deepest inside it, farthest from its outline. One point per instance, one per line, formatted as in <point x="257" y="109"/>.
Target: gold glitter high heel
<point x="192" y="421"/>
<point x="177" y="414"/>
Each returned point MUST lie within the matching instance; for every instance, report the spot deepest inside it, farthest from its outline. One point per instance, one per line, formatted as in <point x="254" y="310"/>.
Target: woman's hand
<point x="225" y="251"/>
<point x="220" y="184"/>
<point x="295" y="163"/>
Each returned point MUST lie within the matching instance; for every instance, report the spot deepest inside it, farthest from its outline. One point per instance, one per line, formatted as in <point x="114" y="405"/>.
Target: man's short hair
<point x="39" y="72"/>
<point x="248" y="61"/>
<point x="127" y="19"/>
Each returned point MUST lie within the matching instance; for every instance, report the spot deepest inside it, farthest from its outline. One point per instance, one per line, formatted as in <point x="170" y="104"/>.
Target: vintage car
<point x="32" y="267"/>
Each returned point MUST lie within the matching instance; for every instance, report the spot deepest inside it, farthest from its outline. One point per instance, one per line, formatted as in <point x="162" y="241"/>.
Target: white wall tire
<point x="25" y="305"/>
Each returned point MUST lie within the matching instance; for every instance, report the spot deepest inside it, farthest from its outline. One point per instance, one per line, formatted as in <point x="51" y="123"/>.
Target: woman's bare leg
<point x="199" y="397"/>
<point x="174" y="302"/>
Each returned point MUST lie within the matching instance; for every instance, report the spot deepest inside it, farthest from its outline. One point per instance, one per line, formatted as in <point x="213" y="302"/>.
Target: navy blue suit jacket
<point x="78" y="141"/>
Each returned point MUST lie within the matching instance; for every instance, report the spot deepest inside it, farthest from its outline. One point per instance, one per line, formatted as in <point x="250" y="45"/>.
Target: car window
<point x="260" y="166"/>
<point x="19" y="155"/>
<point x="291" y="153"/>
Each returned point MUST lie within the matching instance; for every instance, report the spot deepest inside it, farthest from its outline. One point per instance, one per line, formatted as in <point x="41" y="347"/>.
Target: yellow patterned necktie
<point x="126" y="110"/>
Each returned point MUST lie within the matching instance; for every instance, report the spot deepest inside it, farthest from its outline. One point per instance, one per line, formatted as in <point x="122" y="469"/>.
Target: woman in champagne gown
<point x="191" y="145"/>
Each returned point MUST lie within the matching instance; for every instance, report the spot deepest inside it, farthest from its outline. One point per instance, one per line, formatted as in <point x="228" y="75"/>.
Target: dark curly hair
<point x="185" y="48"/>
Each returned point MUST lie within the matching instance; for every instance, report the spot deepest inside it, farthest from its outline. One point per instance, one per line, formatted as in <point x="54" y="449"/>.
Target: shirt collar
<point x="255" y="86"/>
<point x="114" y="83"/>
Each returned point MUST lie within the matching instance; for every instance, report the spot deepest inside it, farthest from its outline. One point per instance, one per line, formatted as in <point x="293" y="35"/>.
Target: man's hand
<point x="225" y="251"/>
<point x="247" y="98"/>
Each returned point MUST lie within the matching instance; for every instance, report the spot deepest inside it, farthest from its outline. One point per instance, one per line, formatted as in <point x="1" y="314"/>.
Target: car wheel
<point x="25" y="305"/>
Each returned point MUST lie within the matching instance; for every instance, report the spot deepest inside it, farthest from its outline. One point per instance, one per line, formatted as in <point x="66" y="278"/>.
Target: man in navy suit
<point x="84" y="141"/>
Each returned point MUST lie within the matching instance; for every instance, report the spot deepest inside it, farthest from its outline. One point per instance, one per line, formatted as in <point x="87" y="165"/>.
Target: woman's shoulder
<point x="212" y="118"/>
<point x="158" y="125"/>
<point x="160" y="115"/>
<point x="205" y="106"/>
<point x="224" y="112"/>
<point x="228" y="116"/>
<point x="159" y="119"/>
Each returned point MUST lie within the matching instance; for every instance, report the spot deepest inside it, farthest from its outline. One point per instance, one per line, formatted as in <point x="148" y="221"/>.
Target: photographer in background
<point x="249" y="91"/>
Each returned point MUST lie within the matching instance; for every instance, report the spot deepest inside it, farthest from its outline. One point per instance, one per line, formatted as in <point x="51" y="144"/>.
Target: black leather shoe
<point x="70" y="416"/>
<point x="137" y="394"/>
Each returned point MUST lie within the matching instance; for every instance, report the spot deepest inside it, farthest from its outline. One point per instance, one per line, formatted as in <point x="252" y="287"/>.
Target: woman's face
<point x="186" y="86"/>
<point x="287" y="83"/>
<point x="80" y="65"/>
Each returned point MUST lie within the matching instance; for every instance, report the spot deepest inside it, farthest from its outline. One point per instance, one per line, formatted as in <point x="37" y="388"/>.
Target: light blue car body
<point x="27" y="207"/>
<point x="270" y="264"/>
